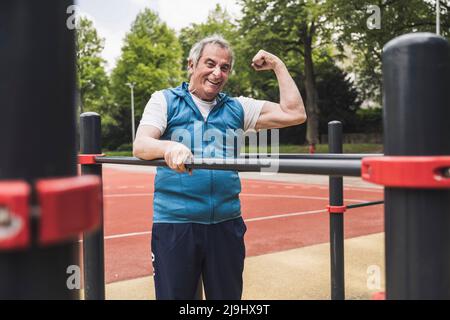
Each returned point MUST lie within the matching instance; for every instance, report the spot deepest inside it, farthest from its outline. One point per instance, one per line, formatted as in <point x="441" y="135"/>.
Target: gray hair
<point x="197" y="49"/>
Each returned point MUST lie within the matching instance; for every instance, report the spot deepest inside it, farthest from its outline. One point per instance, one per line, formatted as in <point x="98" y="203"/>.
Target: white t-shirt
<point x="155" y="112"/>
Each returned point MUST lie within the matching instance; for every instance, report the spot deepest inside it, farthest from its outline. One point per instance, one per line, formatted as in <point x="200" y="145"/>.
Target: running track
<point x="279" y="216"/>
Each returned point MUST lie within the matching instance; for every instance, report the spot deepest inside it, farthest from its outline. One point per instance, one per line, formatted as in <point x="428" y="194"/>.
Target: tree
<point x="292" y="29"/>
<point x="150" y="58"/>
<point x="92" y="80"/>
<point x="93" y="84"/>
<point x="398" y="17"/>
<point x="338" y="98"/>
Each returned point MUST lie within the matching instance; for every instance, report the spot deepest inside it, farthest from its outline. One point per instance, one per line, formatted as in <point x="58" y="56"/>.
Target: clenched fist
<point x="175" y="156"/>
<point x="264" y="60"/>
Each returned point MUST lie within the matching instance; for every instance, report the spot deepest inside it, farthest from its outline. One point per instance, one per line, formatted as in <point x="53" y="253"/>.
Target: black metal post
<point x="416" y="77"/>
<point x="93" y="243"/>
<point x="37" y="134"/>
<point x="336" y="219"/>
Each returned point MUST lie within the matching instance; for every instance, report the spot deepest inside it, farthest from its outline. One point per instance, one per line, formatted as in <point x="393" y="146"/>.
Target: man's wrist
<point x="279" y="66"/>
<point x="166" y="145"/>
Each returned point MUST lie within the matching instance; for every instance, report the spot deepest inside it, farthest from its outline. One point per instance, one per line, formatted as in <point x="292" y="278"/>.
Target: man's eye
<point x="210" y="65"/>
<point x="225" y="69"/>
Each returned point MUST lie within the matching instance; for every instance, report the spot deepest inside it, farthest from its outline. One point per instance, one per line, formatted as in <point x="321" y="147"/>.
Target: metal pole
<point x="336" y="219"/>
<point x="438" y="17"/>
<point x="346" y="156"/>
<point x="416" y="77"/>
<point x="93" y="246"/>
<point x="132" y="114"/>
<point x="327" y="167"/>
<point x="37" y="134"/>
<point x="133" y="130"/>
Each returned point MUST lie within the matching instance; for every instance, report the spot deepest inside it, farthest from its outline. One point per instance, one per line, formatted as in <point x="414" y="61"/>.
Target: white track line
<point x="319" y="186"/>
<point x="276" y="216"/>
<point x="286" y="185"/>
<point x="245" y="195"/>
<point x="296" y="197"/>
<point x="125" y="235"/>
<point x="286" y="215"/>
<point x="121" y="195"/>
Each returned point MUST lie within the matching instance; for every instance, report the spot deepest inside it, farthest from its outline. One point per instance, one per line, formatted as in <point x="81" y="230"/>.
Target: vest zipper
<point x="211" y="180"/>
<point x="211" y="199"/>
<point x="211" y="176"/>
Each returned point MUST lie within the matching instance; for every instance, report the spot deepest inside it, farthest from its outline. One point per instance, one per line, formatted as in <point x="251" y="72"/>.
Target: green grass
<point x="323" y="148"/>
<point x="289" y="148"/>
<point x="118" y="153"/>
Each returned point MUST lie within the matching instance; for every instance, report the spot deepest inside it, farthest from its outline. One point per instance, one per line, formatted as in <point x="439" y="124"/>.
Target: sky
<point x="113" y="18"/>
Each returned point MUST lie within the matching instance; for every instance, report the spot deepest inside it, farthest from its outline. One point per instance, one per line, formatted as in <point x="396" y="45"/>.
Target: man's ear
<point x="190" y="66"/>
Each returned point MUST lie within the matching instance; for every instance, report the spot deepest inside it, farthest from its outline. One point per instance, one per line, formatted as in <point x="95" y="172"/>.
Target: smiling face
<point x="211" y="73"/>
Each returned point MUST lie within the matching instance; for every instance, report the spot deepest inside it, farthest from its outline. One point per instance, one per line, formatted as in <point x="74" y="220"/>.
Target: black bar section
<point x="93" y="243"/>
<point x="37" y="135"/>
<point x="347" y="156"/>
<point x="416" y="77"/>
<point x="306" y="166"/>
<point x="336" y="192"/>
<point x="365" y="204"/>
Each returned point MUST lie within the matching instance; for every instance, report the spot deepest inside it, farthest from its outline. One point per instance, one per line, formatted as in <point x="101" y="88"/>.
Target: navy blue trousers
<point x="182" y="252"/>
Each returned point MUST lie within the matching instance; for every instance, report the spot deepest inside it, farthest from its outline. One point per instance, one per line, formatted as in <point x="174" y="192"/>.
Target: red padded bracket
<point x="88" y="158"/>
<point x="429" y="172"/>
<point x="14" y="215"/>
<point x="336" y="209"/>
<point x="69" y="206"/>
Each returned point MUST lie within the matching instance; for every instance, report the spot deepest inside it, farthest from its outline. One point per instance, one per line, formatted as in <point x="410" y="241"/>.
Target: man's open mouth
<point x="213" y="83"/>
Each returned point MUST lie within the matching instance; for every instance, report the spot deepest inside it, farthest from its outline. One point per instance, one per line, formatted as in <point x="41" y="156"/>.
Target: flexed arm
<point x="290" y="110"/>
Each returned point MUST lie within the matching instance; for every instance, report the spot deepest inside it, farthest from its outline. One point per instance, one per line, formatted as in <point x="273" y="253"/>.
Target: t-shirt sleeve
<point x="155" y="112"/>
<point x="252" y="110"/>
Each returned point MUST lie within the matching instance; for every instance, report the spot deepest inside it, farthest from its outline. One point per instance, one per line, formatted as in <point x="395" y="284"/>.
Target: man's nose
<point x="217" y="72"/>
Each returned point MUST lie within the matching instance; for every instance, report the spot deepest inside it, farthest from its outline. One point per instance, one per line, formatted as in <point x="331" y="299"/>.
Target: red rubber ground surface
<point x="279" y="216"/>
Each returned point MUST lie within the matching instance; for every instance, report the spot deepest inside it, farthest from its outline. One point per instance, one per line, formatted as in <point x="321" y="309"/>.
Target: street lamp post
<point x="438" y="17"/>
<point x="131" y="85"/>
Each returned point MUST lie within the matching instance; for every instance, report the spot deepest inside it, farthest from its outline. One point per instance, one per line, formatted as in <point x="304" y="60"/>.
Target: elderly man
<point x="198" y="230"/>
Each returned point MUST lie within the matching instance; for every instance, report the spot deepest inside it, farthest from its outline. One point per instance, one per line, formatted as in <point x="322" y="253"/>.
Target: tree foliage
<point x="397" y="17"/>
<point x="299" y="32"/>
<point x="331" y="53"/>
<point x="150" y="59"/>
<point x="92" y="80"/>
<point x="338" y="97"/>
<point x="93" y="86"/>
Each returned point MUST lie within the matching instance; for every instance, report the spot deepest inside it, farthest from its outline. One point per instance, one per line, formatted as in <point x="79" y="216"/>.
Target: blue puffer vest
<point x="206" y="196"/>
